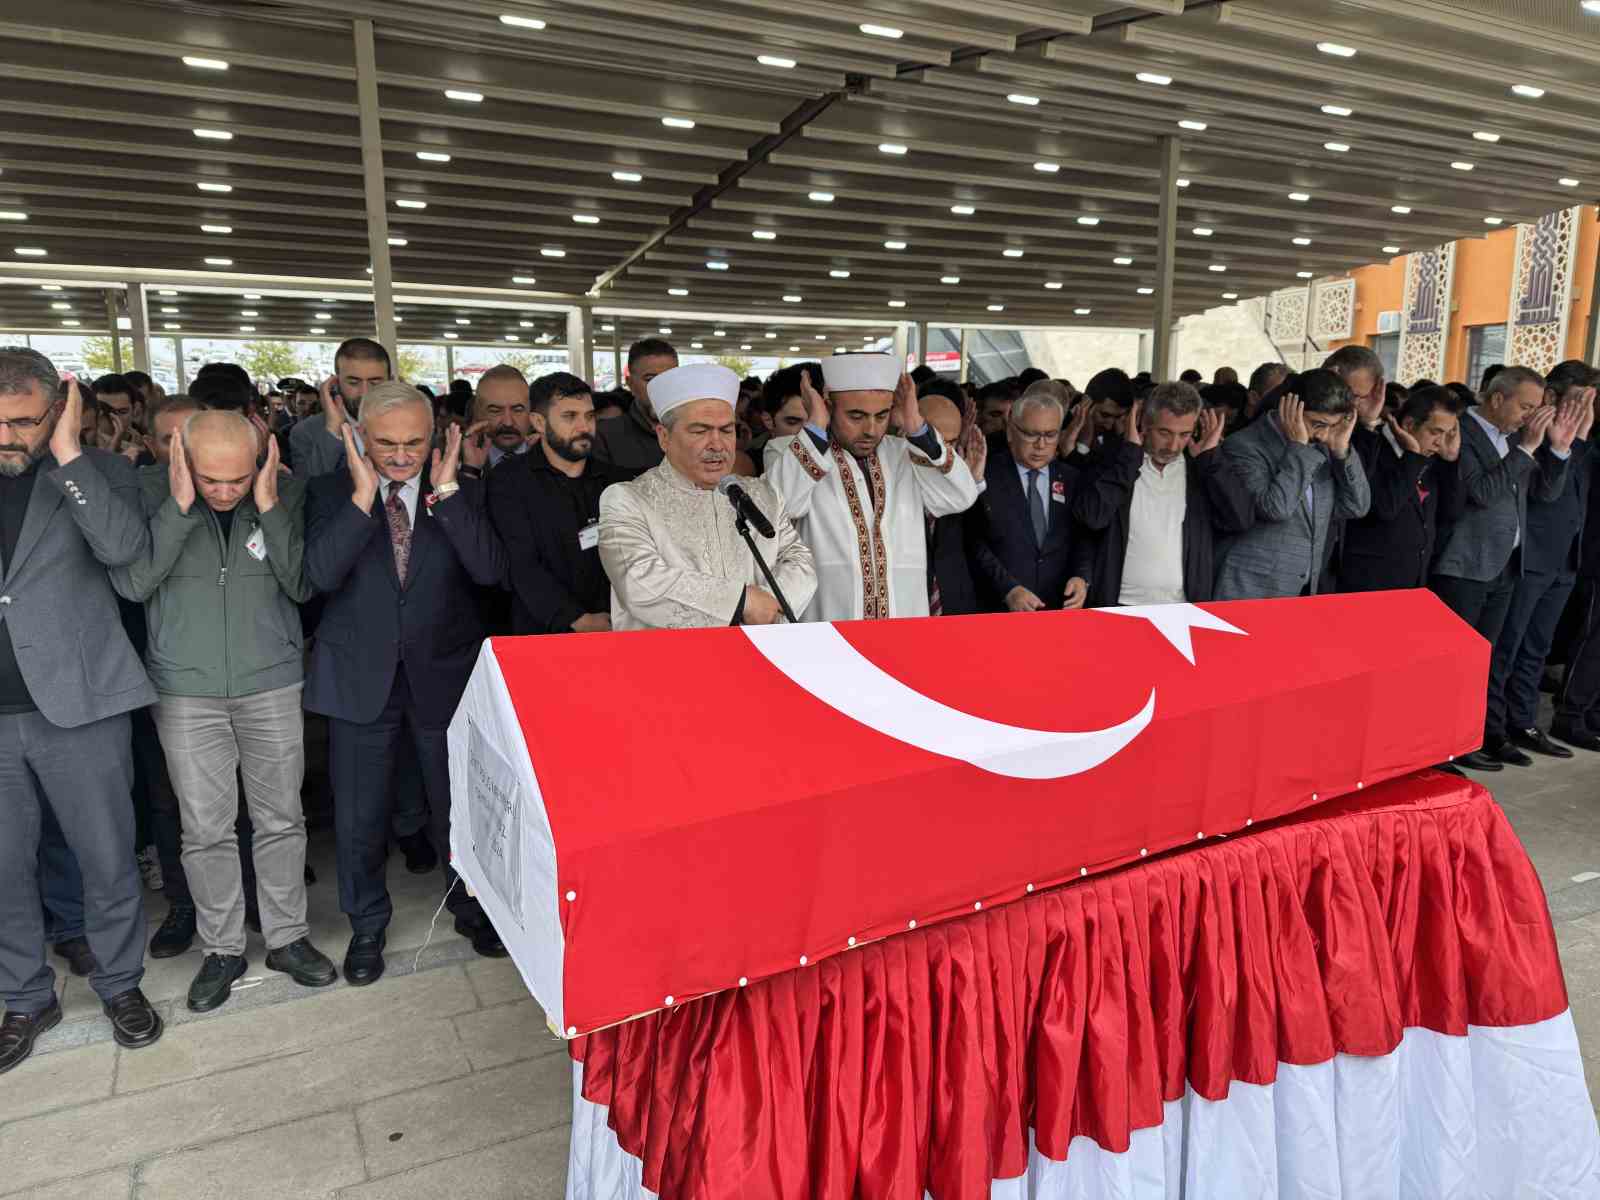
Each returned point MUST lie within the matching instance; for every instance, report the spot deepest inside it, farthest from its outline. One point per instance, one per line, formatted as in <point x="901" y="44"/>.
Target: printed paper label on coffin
<point x="712" y="819"/>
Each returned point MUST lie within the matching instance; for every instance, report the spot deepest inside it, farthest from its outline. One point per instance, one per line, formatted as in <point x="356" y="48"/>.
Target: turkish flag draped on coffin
<point x="648" y="817"/>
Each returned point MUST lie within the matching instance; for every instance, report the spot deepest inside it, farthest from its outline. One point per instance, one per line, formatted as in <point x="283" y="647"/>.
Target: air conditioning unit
<point x="1389" y="322"/>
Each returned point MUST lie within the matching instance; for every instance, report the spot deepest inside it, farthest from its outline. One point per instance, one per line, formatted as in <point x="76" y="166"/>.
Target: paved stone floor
<point x="443" y="1081"/>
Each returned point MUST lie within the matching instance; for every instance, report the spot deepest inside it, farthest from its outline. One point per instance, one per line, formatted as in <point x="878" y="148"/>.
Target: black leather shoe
<point x="176" y="934"/>
<point x="484" y="939"/>
<point x="80" y="959"/>
<point x="1580" y="736"/>
<point x="421" y="857"/>
<point x="18" y="1032"/>
<point x="303" y="963"/>
<point x="1479" y="760"/>
<point x="1510" y="755"/>
<point x="363" y="961"/>
<point x="214" y="983"/>
<point x="1539" y="742"/>
<point x="133" y="1022"/>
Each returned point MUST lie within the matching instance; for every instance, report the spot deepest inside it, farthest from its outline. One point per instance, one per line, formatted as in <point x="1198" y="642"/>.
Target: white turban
<point x="695" y="381"/>
<point x="861" y="372"/>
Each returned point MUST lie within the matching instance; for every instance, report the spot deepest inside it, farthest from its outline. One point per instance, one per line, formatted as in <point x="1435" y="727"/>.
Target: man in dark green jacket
<point x="221" y="582"/>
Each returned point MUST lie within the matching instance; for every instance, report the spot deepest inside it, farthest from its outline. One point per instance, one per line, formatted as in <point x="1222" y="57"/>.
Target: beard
<point x="575" y="450"/>
<point x="12" y="467"/>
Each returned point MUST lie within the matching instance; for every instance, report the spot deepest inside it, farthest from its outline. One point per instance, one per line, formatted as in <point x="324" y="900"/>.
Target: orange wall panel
<point x="1583" y="282"/>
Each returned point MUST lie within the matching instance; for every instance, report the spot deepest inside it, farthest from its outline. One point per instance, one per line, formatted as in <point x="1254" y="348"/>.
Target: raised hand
<point x="1077" y="593"/>
<point x="64" y="437"/>
<point x="1587" y="399"/>
<point x="1292" y="416"/>
<point x="1131" y="432"/>
<point x="1207" y="432"/>
<point x="1564" y="428"/>
<point x="1450" y="448"/>
<point x="816" y="406"/>
<point x="974" y="449"/>
<point x="1020" y="599"/>
<point x="266" y="485"/>
<point x="1404" y="439"/>
<point x="475" y="445"/>
<point x="363" y="477"/>
<point x="1537" y="426"/>
<point x="906" y="413"/>
<point x="1339" y="442"/>
<point x="447" y="464"/>
<point x="1072" y="434"/>
<point x="179" y="481"/>
<point x="334" y="415"/>
<point x="1369" y="408"/>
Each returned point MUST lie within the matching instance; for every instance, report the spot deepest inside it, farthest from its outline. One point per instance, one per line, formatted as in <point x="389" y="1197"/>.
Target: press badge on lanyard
<point x="257" y="545"/>
<point x="589" y="536"/>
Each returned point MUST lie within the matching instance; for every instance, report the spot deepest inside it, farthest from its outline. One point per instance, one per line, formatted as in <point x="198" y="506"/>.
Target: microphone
<point x="728" y="485"/>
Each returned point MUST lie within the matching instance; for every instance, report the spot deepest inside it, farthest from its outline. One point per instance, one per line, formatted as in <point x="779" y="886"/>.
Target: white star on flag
<point x="1176" y="623"/>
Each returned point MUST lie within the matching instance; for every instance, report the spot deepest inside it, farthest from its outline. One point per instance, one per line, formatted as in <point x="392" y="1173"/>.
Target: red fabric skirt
<point x="923" y="1061"/>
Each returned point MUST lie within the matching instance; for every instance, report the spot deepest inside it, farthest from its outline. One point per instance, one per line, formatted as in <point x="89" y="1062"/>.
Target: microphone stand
<point x="743" y="526"/>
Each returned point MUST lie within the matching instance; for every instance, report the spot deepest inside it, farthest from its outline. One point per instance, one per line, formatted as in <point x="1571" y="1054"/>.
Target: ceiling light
<point x="1202" y="231"/>
<point x="746" y="346"/>
<point x="215" y="187"/>
<point x="248" y="312"/>
<point x="1082" y="312"/>
<point x="1300" y="197"/>
<point x="996" y="307"/>
<point x="1020" y="98"/>
<point x="1302" y="241"/>
<point x="252" y="295"/>
<point x="1197" y="126"/>
<point x="586" y="218"/>
<point x="677" y="122"/>
<point x="1152" y="77"/>
<point x="1337" y="147"/>
<point x="529" y="325"/>
<point x="1338" y="110"/>
<point x="322" y="316"/>
<point x="603" y="328"/>
<point x="552" y="252"/>
<point x="1147" y="291"/>
<point x="247" y="329"/>
<point x="1219" y="268"/>
<point x="821" y="337"/>
<point x="764" y="235"/>
<point x="449" y="336"/>
<point x="820" y="197"/>
<point x="677" y="291"/>
<point x="1569" y="182"/>
<point x="950" y="279"/>
<point x="793" y="299"/>
<point x="1012" y="252"/>
<point x="1335" y="49"/>
<point x="839" y="274"/>
<point x="1461" y="166"/>
<point x="1302" y="274"/>
<point x="665" y="329"/>
<point x="716" y="264"/>
<point x="692" y="345"/>
<point x="1484" y="136"/>
<point x="72" y="324"/>
<point x="329" y="300"/>
<point x="894" y="245"/>
<point x="463" y="321"/>
<point x="170" y="325"/>
<point x="1049" y="168"/>
<point x="1123" y="262"/>
<point x="521" y="22"/>
<point x="205" y="64"/>
<point x="465" y="97"/>
<point x="897" y="304"/>
<point x="525" y="280"/>
<point x="1054" y="285"/>
<point x="1230" y="295"/>
<point x="56" y="287"/>
<point x="170" y="311"/>
<point x="215" y="135"/>
<point x="1494" y="221"/>
<point x="397" y="241"/>
<point x="1088" y="220"/>
<point x="216" y="229"/>
<point x="62" y="306"/>
<point x="1391" y="249"/>
<point x="719" y="333"/>
<point x="511" y="337"/>
<point x="627" y="176"/>
<point x="772" y="60"/>
<point x="963" y="210"/>
<point x="32" y="252"/>
<point x="411" y="204"/>
<point x="1402" y="209"/>
<point x="891" y="148"/>
<point x="432" y="156"/>
<point x="770" y="336"/>
<point x="883" y="31"/>
<point x="1527" y="91"/>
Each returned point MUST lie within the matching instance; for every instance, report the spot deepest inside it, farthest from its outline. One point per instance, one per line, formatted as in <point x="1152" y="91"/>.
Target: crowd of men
<point x="184" y="577"/>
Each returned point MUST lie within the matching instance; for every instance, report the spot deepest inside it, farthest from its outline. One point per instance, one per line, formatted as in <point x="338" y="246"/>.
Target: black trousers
<point x="1579" y="702"/>
<point x="1525" y="640"/>
<point x="1484" y="605"/>
<point x="364" y="759"/>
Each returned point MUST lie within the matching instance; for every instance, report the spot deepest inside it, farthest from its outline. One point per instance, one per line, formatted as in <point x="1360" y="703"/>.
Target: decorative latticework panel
<point x="1289" y="309"/>
<point x="1256" y="306"/>
<point x="1541" y="291"/>
<point x="1334" y="311"/>
<point x="1425" y="319"/>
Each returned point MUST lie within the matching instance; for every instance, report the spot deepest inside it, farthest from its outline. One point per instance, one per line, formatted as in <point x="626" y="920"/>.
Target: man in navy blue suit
<point x="398" y="548"/>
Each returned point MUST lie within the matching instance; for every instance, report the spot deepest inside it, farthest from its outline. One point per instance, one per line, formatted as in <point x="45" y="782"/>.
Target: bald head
<point x="222" y="457"/>
<point x="943" y="415"/>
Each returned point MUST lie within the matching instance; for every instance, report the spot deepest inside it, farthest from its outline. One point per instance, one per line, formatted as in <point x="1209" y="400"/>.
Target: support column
<point x="616" y="352"/>
<point x="1166" y="255"/>
<point x="963" y="375"/>
<point x="922" y="343"/>
<point x="902" y="337"/>
<point x="580" y="341"/>
<point x="449" y="365"/>
<point x="179" y="372"/>
<point x="1591" y="339"/>
<point x="139" y="314"/>
<point x="377" y="201"/>
<point x="116" y="334"/>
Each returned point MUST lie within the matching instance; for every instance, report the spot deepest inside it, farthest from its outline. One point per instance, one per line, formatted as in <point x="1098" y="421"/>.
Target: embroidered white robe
<point x="867" y="529"/>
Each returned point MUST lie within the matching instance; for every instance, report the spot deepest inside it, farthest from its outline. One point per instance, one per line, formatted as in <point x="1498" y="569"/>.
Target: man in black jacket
<point x="1411" y="465"/>
<point x="1156" y="509"/>
<point x="952" y="592"/>
<point x="546" y="507"/>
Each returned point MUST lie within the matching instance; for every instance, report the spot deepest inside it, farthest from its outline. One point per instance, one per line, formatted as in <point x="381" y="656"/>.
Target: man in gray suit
<point x="68" y="680"/>
<point x="1511" y="443"/>
<point x="1297" y="467"/>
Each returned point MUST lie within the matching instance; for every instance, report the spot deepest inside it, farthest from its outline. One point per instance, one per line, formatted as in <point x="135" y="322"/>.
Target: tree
<point x="414" y="365"/>
<point x="97" y="355"/>
<point x="739" y="366"/>
<point x="272" y="361"/>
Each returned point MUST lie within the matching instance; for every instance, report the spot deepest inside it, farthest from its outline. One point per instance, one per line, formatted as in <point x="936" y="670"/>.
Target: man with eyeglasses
<point x="68" y="680"/>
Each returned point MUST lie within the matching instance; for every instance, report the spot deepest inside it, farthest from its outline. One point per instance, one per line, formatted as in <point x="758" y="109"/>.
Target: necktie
<point x="399" y="529"/>
<point x="1041" y="523"/>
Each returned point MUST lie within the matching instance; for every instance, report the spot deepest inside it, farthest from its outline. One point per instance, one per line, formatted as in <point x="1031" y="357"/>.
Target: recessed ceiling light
<point x="1494" y="221"/>
<point x="511" y="337"/>
<point x="697" y="345"/>
<point x="839" y="274"/>
<point x="1219" y="268"/>
<point x="525" y="280"/>
<point x="1082" y="312"/>
<point x="1183" y="183"/>
<point x="996" y="307"/>
<point x="1338" y="110"/>
<point x="1049" y="168"/>
<point x="894" y="245"/>
<point x="247" y="329"/>
<point x="963" y="210"/>
<point x="746" y="346"/>
<point x="411" y="204"/>
<point x="449" y="336"/>
<point x="603" y="328"/>
<point x="1230" y="295"/>
<point x="677" y="291"/>
<point x="820" y="197"/>
<point x="169" y="311"/>
<point x="1402" y="209"/>
<point x="764" y="235"/>
<point x="716" y="264"/>
<point x="586" y="218"/>
<point x="322" y="316"/>
<point x="897" y="304"/>
<point x="521" y="22"/>
<point x="719" y="333"/>
<point x="216" y="229"/>
<point x="1527" y="91"/>
<point x="1146" y="291"/>
<point x="883" y="31"/>
<point x="627" y="176"/>
<point x="396" y="241"/>
<point x="794" y="349"/>
<point x="552" y="252"/>
<point x="1123" y="262"/>
<point x="252" y="295"/>
<point x="1054" y="285"/>
<point x="1391" y="249"/>
<point x="62" y="306"/>
<point x="1337" y="147"/>
<point x="1302" y="274"/>
<point x="1088" y="220"/>
<point x="891" y="148"/>
<point x="433" y="156"/>
<point x="951" y="279"/>
<point x="72" y="324"/>
<point x="463" y="321"/>
<point x="677" y="122"/>
<point x="1484" y="135"/>
<point x="821" y="337"/>
<point x="1152" y="77"/>
<point x="32" y="251"/>
<point x="171" y="325"/>
<point x="1569" y="182"/>
<point x="313" y="329"/>
<point x="1337" y="50"/>
<point x="1012" y="252"/>
<point x="1461" y="166"/>
<point x="1302" y="241"/>
<point x="1023" y="99"/>
<point x="793" y="299"/>
<point x="770" y="336"/>
<point x="773" y="60"/>
<point x="56" y="287"/>
<point x="464" y="97"/>
<point x="214" y="135"/>
<point x="665" y="329"/>
<point x="1202" y="231"/>
<point x="205" y="64"/>
<point x="1300" y="197"/>
<point x="215" y="187"/>
<point x="248" y="312"/>
<point x="1197" y="126"/>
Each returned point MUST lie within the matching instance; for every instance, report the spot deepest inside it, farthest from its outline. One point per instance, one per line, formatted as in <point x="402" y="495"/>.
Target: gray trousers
<point x="209" y="742"/>
<point x="85" y="775"/>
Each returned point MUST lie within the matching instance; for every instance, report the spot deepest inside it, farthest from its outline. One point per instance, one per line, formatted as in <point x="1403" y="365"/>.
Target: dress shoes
<point x="214" y="983"/>
<point x="18" y="1032"/>
<point x="1539" y="742"/>
<point x="134" y="1023"/>
<point x="1580" y="736"/>
<point x="421" y="857"/>
<point x="482" y="935"/>
<point x="1479" y="760"/>
<point x="1510" y="755"/>
<point x="303" y="963"/>
<point x="80" y="959"/>
<point x="176" y="933"/>
<point x="363" y="961"/>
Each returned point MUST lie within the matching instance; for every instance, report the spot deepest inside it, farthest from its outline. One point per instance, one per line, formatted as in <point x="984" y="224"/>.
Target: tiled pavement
<point x="443" y="1081"/>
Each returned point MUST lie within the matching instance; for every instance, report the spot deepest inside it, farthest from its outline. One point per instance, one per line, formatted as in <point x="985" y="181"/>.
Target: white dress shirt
<point x="1152" y="572"/>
